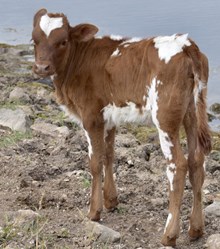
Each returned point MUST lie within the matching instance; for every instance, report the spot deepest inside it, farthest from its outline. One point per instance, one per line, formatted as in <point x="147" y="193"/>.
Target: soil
<point x="50" y="175"/>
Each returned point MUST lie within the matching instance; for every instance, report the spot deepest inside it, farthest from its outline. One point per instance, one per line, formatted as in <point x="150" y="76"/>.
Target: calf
<point x="102" y="82"/>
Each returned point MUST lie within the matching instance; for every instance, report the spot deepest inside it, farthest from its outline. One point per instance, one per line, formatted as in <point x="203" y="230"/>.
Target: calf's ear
<point x="83" y="32"/>
<point x="39" y="14"/>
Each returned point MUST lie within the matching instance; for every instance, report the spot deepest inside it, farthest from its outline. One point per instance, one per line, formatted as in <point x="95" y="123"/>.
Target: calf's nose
<point x="41" y="68"/>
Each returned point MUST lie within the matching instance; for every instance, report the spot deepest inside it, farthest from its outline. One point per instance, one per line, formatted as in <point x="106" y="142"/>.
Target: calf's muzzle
<point x="43" y="69"/>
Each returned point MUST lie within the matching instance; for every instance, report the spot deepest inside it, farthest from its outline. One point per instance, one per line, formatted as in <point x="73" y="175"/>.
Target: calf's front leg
<point x="110" y="192"/>
<point x="95" y="138"/>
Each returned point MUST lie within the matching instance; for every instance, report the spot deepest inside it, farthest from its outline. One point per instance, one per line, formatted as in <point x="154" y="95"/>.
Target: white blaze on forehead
<point x="171" y="171"/>
<point x="48" y="24"/>
<point x="169" y="46"/>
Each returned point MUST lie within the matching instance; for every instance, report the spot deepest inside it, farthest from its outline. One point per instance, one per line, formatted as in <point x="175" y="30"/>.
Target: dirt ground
<point x="49" y="174"/>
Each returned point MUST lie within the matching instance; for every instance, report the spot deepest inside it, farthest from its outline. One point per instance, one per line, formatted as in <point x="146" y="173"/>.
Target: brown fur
<point x="88" y="78"/>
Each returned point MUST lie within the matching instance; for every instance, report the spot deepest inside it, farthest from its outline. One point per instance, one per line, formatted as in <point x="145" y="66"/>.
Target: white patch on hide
<point x="130" y="41"/>
<point x="114" y="115"/>
<point x="204" y="166"/>
<point x="116" y="53"/>
<point x="48" y="24"/>
<point x="171" y="171"/>
<point x="152" y="105"/>
<point x="169" y="46"/>
<point x="74" y="118"/>
<point x="89" y="143"/>
<point x="116" y="37"/>
<point x="199" y="86"/>
<point x="168" y="221"/>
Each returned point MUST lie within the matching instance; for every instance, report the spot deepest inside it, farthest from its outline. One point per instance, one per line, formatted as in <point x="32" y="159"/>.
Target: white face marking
<point x="90" y="145"/>
<point x="171" y="171"/>
<point x="114" y="115"/>
<point x="74" y="118"/>
<point x="153" y="106"/>
<point x="116" y="53"/>
<point x="48" y="24"/>
<point x="168" y="221"/>
<point x="116" y="37"/>
<point x="169" y="46"/>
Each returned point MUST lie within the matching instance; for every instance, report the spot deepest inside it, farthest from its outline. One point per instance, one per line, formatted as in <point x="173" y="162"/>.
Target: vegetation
<point x="13" y="138"/>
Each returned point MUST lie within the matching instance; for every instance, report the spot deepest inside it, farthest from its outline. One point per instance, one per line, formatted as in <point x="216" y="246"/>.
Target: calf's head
<point x="53" y="38"/>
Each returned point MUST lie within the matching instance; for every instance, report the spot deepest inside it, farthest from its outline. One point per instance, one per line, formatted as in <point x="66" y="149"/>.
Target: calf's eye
<point x="63" y="43"/>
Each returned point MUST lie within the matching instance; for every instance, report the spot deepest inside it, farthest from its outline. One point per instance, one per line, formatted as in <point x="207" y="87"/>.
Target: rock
<point x="18" y="93"/>
<point x="166" y="247"/>
<point x="18" y="218"/>
<point x="15" y="119"/>
<point x="213" y="241"/>
<point x="51" y="129"/>
<point x="22" y="217"/>
<point x="104" y="234"/>
<point x="215" y="108"/>
<point x="215" y="155"/>
<point x="214" y="208"/>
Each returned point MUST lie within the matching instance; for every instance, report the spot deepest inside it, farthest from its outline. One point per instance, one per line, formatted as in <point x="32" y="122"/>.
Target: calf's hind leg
<point x="196" y="176"/>
<point x="176" y="173"/>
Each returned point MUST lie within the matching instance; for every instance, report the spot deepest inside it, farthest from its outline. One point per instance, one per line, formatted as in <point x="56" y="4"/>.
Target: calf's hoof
<point x="194" y="234"/>
<point x="111" y="204"/>
<point x="94" y="215"/>
<point x="167" y="241"/>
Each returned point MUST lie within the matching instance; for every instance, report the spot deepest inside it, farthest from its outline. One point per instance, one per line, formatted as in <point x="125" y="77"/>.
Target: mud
<point x="50" y="175"/>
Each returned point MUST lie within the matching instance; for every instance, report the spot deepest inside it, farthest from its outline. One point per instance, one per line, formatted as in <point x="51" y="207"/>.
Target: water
<point x="141" y="18"/>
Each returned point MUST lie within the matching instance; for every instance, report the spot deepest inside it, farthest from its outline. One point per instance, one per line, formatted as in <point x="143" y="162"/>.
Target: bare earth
<point x="49" y="174"/>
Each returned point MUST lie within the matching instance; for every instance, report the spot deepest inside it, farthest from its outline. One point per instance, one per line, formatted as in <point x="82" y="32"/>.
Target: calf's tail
<point x="201" y="72"/>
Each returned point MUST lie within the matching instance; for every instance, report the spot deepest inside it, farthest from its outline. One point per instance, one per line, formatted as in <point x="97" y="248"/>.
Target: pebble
<point x="15" y="119"/>
<point x="18" y="94"/>
<point x="214" y="208"/>
<point x="213" y="241"/>
<point x="105" y="234"/>
<point x="50" y="129"/>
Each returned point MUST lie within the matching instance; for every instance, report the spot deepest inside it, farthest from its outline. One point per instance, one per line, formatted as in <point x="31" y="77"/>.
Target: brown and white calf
<point x="102" y="82"/>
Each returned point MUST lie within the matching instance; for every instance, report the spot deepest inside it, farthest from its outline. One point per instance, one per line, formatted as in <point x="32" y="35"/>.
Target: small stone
<point x="50" y="129"/>
<point x="19" y="218"/>
<point x="157" y="202"/>
<point x="214" y="208"/>
<point x="206" y="191"/>
<point x="104" y="234"/>
<point x="15" y="119"/>
<point x="130" y="163"/>
<point x="18" y="93"/>
<point x="166" y="247"/>
<point x="213" y="241"/>
<point x="215" y="108"/>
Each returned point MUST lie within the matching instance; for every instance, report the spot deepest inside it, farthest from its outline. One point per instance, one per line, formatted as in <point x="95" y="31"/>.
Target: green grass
<point x="86" y="183"/>
<point x="141" y="132"/>
<point x="11" y="105"/>
<point x="33" y="84"/>
<point x="13" y="138"/>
